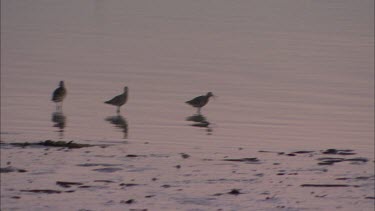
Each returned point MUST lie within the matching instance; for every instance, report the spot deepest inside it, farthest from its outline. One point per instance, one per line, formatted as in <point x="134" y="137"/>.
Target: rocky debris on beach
<point x="184" y="155"/>
<point x="338" y="152"/>
<point x="325" y="185"/>
<point x="97" y="164"/>
<point x="15" y="197"/>
<point x="10" y="169"/>
<point x="67" y="184"/>
<point x="131" y="156"/>
<point x="166" y="186"/>
<point x="246" y="160"/>
<point x="108" y="170"/>
<point x="331" y="160"/>
<point x="104" y="181"/>
<point x="326" y="151"/>
<point x="50" y="143"/>
<point x="130" y="201"/>
<point x="128" y="184"/>
<point x="42" y="191"/>
<point x="357" y="178"/>
<point x="234" y="192"/>
<point x="85" y="186"/>
<point x="266" y="151"/>
<point x="303" y="152"/>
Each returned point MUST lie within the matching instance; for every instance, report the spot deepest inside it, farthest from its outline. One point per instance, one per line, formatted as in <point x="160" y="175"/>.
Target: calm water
<point x="288" y="74"/>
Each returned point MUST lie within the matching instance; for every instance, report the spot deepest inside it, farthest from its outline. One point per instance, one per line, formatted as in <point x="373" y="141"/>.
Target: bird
<point x="119" y="100"/>
<point x="200" y="101"/>
<point x="59" y="94"/>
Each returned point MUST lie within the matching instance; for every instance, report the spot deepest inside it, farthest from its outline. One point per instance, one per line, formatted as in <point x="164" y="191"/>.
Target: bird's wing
<point x="113" y="100"/>
<point x="195" y="100"/>
<point x="59" y="92"/>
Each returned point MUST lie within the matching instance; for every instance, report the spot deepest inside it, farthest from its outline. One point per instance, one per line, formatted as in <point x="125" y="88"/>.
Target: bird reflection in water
<point x="119" y="122"/>
<point x="59" y="121"/>
<point x="200" y="121"/>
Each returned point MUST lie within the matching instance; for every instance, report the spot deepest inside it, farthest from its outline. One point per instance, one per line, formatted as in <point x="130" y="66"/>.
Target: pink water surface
<point x="289" y="75"/>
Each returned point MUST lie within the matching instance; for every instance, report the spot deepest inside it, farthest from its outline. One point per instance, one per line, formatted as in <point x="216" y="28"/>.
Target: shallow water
<point x="289" y="75"/>
<point x="295" y="73"/>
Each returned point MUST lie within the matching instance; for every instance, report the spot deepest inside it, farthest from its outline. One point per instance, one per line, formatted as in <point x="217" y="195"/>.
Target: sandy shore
<point x="147" y="176"/>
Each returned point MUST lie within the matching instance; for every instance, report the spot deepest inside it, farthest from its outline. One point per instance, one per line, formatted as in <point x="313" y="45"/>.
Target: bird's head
<point x="209" y="94"/>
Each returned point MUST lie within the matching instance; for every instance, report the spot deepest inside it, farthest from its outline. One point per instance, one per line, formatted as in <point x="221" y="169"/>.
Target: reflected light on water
<point x="59" y="121"/>
<point x="200" y="121"/>
<point x="119" y="122"/>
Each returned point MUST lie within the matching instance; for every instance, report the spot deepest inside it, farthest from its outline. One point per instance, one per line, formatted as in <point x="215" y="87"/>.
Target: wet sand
<point x="149" y="176"/>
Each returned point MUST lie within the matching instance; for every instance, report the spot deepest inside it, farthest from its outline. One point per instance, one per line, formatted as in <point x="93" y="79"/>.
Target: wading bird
<point x="58" y="95"/>
<point x="200" y="101"/>
<point x="119" y="100"/>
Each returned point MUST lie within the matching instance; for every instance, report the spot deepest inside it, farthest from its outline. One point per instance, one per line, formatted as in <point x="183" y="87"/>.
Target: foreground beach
<point x="145" y="176"/>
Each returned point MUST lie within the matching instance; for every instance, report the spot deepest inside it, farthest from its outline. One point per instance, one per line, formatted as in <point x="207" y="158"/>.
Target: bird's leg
<point x="58" y="107"/>
<point x="118" y="109"/>
<point x="199" y="110"/>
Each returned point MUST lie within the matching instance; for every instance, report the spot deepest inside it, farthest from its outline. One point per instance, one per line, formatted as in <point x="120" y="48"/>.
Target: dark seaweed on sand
<point x="49" y="143"/>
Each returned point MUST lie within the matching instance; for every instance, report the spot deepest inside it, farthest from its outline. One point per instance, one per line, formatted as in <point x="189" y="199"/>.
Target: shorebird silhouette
<point x="58" y="95"/>
<point x="200" y="101"/>
<point x="119" y="100"/>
